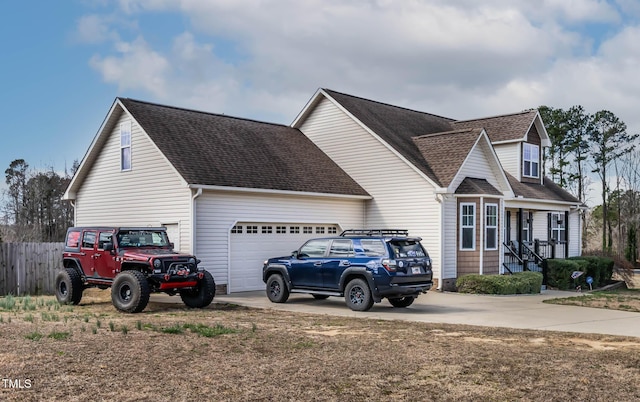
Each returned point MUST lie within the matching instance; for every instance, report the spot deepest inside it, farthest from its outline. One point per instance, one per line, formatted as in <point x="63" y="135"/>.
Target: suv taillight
<point x="389" y="265"/>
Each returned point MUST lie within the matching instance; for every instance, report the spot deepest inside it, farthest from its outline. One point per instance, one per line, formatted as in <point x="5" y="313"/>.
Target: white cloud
<point x="461" y="59"/>
<point x="135" y="66"/>
<point x="93" y="29"/>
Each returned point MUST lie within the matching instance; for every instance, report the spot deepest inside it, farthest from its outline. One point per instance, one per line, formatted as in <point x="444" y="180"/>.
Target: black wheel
<point x="319" y="297"/>
<point x="358" y="295"/>
<point x="402" y="301"/>
<point x="130" y="292"/>
<point x="277" y="291"/>
<point x="202" y="295"/>
<point x="69" y="286"/>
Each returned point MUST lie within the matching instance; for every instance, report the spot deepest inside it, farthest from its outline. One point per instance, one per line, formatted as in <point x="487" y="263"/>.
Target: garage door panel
<point x="249" y="250"/>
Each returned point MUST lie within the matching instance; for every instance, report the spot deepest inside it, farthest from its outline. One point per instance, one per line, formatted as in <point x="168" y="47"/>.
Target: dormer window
<point x="531" y="160"/>
<point x="125" y="146"/>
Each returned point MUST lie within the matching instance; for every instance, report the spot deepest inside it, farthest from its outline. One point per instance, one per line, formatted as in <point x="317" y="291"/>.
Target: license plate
<point x="415" y="270"/>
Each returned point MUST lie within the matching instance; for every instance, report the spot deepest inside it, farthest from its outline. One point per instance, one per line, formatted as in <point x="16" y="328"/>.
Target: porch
<point x="532" y="236"/>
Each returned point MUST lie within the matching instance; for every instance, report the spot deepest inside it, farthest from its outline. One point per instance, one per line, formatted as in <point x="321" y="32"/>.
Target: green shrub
<point x="559" y="272"/>
<point x="519" y="283"/>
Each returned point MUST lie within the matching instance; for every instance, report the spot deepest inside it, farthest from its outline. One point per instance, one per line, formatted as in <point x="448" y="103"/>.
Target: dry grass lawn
<point x="619" y="299"/>
<point x="92" y="352"/>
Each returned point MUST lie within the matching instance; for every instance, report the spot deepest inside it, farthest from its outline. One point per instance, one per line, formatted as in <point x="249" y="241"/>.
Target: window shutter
<point x="549" y="233"/>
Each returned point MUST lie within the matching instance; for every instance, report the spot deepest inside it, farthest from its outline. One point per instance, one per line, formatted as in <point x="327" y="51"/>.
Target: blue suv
<point x="364" y="266"/>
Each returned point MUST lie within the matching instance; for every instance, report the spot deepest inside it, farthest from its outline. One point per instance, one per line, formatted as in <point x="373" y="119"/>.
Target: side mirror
<point x="172" y="245"/>
<point x="108" y="246"/>
<point x="294" y="254"/>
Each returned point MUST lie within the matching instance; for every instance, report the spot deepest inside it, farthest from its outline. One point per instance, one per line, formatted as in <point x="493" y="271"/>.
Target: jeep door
<point x="104" y="261"/>
<point x="340" y="257"/>
<point x="87" y="251"/>
<point x="306" y="267"/>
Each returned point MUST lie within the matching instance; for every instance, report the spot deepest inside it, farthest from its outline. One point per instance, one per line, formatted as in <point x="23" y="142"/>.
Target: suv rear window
<point x="373" y="248"/>
<point x="407" y="249"/>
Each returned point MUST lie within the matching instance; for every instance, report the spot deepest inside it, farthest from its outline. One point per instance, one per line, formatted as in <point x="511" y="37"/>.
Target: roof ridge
<point x="201" y="112"/>
<point x="499" y="115"/>
<point x="459" y="131"/>
<point x="388" y="104"/>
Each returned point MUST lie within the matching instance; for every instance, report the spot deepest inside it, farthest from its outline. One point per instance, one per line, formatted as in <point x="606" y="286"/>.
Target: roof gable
<point x="446" y="152"/>
<point x="216" y="150"/>
<point x="504" y="128"/>
<point x="396" y="126"/>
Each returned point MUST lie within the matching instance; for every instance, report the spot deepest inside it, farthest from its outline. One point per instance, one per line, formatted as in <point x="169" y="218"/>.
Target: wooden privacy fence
<point x="29" y="268"/>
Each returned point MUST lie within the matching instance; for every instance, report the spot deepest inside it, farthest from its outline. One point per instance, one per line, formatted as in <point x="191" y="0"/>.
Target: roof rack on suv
<point x="374" y="232"/>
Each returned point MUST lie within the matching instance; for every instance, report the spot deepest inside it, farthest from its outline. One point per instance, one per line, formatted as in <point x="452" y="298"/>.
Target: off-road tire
<point x="202" y="295"/>
<point x="319" y="297"/>
<point x="277" y="290"/>
<point x="130" y="292"/>
<point x="69" y="286"/>
<point x="402" y="301"/>
<point x="358" y="295"/>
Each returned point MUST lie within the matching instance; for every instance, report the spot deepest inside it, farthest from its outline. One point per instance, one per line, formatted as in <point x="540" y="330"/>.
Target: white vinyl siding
<point x="509" y="156"/>
<point x="574" y="234"/>
<point x="450" y="233"/>
<point x="219" y="211"/>
<point x="402" y="198"/>
<point x="477" y="165"/>
<point x="152" y="194"/>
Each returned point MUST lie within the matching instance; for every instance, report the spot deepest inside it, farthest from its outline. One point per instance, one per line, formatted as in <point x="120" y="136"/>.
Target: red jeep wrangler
<point x="134" y="262"/>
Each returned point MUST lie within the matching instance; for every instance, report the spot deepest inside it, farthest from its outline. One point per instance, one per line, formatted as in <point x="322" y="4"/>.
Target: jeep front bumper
<point x="177" y="281"/>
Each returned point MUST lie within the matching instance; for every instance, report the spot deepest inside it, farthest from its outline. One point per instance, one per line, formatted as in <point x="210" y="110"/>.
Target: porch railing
<point x="519" y="257"/>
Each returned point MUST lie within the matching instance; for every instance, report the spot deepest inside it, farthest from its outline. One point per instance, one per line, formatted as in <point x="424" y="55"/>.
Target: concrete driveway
<point x="522" y="311"/>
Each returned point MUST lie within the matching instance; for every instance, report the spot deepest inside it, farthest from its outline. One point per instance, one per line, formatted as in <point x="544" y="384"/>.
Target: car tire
<point x="69" y="286"/>
<point x="130" y="292"/>
<point x="277" y="290"/>
<point x="358" y="295"/>
<point x="319" y="297"/>
<point x="402" y="301"/>
<point x="202" y="295"/>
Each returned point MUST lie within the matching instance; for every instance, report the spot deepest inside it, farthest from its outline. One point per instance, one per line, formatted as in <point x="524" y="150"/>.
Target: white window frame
<point x="125" y="144"/>
<point x="557" y="228"/>
<point x="493" y="225"/>
<point x="463" y="226"/>
<point x="528" y="160"/>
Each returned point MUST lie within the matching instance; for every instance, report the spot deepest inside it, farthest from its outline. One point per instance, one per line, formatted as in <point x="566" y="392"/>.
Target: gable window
<point x="125" y="146"/>
<point x="467" y="226"/>
<point x="491" y="227"/>
<point x="557" y="227"/>
<point x="531" y="158"/>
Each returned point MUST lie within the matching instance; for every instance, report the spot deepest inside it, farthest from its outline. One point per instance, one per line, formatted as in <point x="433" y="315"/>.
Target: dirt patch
<point x="227" y="352"/>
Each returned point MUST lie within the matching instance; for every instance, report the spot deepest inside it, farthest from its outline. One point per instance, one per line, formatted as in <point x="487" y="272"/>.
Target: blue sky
<point x="65" y="61"/>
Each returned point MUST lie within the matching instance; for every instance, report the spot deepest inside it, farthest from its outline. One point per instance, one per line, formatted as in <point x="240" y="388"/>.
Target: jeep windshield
<point x="142" y="238"/>
<point x="407" y="249"/>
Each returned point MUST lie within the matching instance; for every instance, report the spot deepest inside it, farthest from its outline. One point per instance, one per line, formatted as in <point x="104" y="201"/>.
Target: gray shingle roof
<point x="218" y="150"/>
<point x="445" y="152"/>
<point x="396" y="126"/>
<point x="502" y="128"/>
<point x="546" y="191"/>
<point x="476" y="186"/>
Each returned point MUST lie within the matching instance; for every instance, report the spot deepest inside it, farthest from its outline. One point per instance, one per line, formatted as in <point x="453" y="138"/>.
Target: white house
<point x="236" y="191"/>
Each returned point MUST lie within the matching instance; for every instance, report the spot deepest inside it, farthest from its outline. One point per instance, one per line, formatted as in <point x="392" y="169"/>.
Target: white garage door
<point x="252" y="243"/>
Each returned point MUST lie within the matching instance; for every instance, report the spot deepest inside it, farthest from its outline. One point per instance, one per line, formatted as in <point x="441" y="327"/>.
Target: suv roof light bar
<point x="374" y="232"/>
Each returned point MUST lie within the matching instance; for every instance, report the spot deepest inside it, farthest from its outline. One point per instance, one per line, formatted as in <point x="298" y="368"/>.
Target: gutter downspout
<point x="440" y="199"/>
<point x="193" y="220"/>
